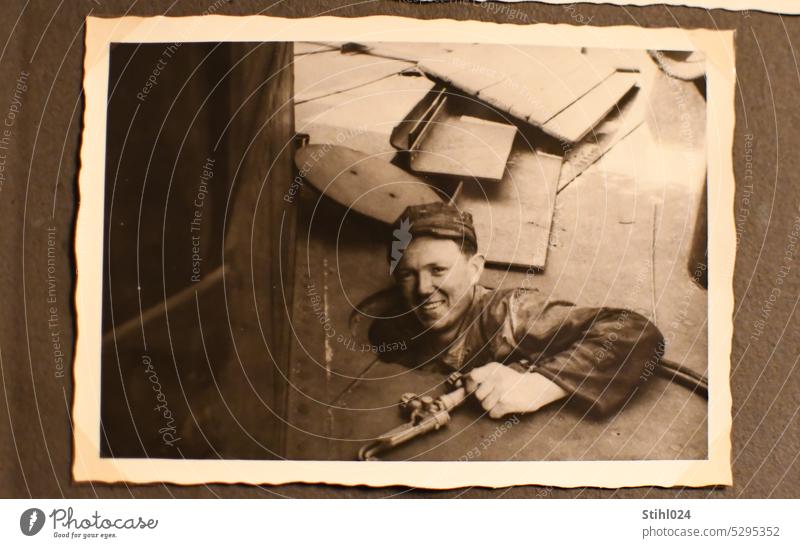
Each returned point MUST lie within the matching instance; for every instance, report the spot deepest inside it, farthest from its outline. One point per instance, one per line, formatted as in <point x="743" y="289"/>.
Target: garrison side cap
<point x="437" y="219"/>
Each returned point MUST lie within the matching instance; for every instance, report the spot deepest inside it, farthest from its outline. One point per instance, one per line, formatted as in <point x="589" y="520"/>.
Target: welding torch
<point x="425" y="414"/>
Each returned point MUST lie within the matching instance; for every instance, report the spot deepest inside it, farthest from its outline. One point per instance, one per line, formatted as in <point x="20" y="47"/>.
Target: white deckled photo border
<point x="718" y="47"/>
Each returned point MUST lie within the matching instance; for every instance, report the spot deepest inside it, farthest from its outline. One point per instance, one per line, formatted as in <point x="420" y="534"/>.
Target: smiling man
<point x="519" y="350"/>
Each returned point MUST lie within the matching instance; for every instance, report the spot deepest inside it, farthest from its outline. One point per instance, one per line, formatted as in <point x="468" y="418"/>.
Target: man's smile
<point x="436" y="280"/>
<point x="431" y="305"/>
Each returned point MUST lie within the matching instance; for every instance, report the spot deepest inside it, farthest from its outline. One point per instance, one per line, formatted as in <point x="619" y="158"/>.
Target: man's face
<point x="436" y="280"/>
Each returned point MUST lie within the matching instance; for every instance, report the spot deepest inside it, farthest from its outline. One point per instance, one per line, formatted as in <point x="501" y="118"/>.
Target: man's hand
<point x="502" y="390"/>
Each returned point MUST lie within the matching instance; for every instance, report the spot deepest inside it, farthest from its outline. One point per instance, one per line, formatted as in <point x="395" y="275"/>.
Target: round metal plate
<point x="368" y="185"/>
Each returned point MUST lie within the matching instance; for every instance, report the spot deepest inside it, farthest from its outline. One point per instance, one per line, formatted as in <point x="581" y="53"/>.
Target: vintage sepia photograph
<point x="382" y="251"/>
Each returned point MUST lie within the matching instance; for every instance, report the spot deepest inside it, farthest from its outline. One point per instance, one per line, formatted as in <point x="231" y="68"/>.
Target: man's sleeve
<point x="596" y="354"/>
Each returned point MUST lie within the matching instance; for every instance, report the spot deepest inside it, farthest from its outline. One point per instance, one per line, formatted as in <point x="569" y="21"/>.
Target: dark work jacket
<point x="597" y="355"/>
